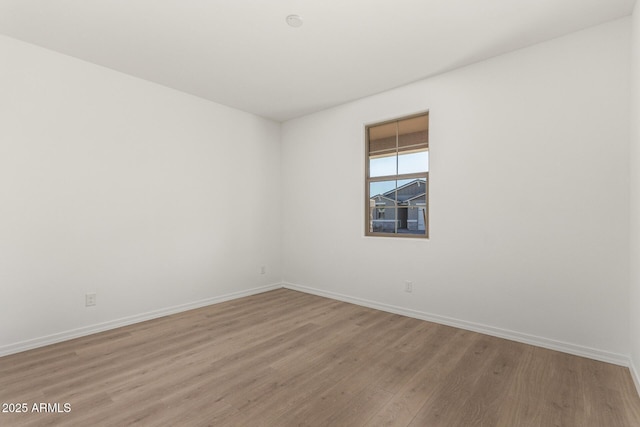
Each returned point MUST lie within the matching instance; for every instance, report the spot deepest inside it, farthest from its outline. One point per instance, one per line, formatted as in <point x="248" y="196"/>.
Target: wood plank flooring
<point x="285" y="358"/>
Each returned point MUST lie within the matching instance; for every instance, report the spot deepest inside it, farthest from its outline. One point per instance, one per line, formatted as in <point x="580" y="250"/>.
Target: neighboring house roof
<point x="422" y="195"/>
<point x="405" y="192"/>
<point x="404" y="197"/>
<point x="408" y="184"/>
<point x="380" y="196"/>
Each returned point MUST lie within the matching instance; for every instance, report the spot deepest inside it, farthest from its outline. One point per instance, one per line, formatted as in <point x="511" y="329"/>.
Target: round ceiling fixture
<point x="294" y="21"/>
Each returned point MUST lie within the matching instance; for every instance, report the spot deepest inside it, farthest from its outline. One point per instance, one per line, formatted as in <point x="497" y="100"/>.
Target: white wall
<point x="529" y="198"/>
<point x="150" y="197"/>
<point x="635" y="198"/>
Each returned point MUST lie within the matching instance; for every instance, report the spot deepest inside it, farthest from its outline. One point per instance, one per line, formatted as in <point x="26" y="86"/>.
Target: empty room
<point x="320" y="213"/>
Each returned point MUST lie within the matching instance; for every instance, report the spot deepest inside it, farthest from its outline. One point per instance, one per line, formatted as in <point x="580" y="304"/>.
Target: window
<point x="397" y="177"/>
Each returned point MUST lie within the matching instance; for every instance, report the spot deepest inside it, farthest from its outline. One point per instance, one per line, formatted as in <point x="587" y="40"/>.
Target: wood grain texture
<point x="285" y="358"/>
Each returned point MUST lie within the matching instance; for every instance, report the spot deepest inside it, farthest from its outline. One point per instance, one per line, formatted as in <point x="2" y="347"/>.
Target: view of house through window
<point x="397" y="177"/>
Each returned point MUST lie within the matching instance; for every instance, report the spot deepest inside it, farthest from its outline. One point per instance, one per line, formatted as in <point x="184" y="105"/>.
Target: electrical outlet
<point x="263" y="269"/>
<point x="89" y="300"/>
<point x="408" y="286"/>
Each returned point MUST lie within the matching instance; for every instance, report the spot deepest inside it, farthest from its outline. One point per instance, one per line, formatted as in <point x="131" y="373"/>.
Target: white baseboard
<point x="635" y="375"/>
<point x="591" y="353"/>
<point x="101" y="327"/>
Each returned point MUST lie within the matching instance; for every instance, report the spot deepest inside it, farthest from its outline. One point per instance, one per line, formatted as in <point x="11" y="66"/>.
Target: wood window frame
<point x="369" y="209"/>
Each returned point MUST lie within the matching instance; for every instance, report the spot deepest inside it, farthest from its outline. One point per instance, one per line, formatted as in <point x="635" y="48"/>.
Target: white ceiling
<point x="241" y="53"/>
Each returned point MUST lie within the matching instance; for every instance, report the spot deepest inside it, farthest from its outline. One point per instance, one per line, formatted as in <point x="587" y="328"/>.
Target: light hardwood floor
<point x="285" y="358"/>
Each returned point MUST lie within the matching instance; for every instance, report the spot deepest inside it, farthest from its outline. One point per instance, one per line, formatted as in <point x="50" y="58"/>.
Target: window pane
<point x="382" y="191"/>
<point x="413" y="134"/>
<point x="382" y="220"/>
<point x="382" y="139"/>
<point x="416" y="219"/>
<point x="413" y="145"/>
<point x="409" y="189"/>
<point x="382" y="150"/>
<point x="410" y="193"/>
<point x="383" y="166"/>
<point x="413" y="162"/>
<point x="382" y="206"/>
